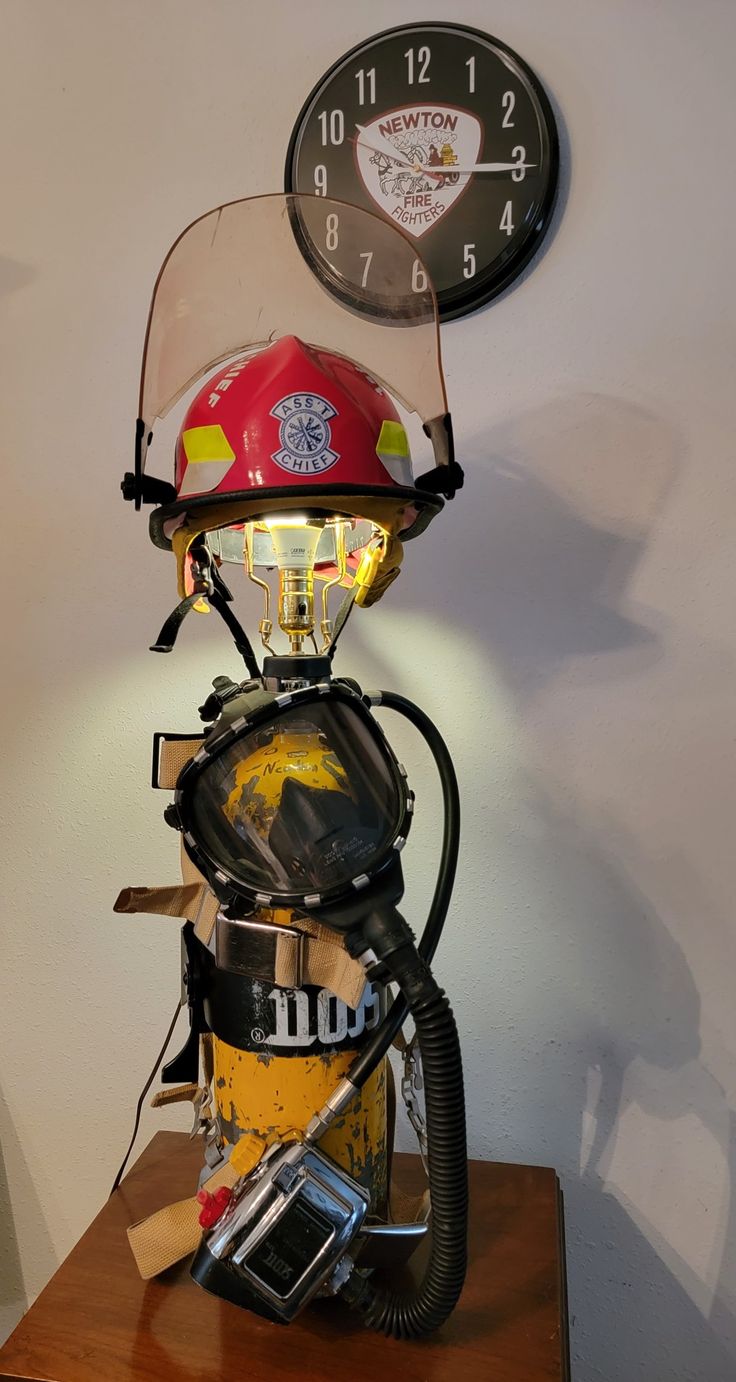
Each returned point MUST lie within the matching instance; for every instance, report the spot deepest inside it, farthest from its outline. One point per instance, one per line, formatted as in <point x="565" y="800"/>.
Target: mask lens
<point x="304" y="803"/>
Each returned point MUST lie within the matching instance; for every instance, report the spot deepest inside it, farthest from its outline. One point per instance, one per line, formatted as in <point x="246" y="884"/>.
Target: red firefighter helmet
<point x="291" y="425"/>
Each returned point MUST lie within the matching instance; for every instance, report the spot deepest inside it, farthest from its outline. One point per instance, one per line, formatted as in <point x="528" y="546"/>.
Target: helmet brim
<point x="382" y="504"/>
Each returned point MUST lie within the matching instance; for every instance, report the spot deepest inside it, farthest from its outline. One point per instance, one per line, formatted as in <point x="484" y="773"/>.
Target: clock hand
<point x="382" y="146"/>
<point x="478" y="168"/>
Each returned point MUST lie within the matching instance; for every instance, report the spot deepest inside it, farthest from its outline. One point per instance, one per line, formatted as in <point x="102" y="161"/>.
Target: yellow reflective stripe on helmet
<point x="392" y="440"/>
<point x="206" y="444"/>
<point x="209" y="458"/>
<point x="392" y="449"/>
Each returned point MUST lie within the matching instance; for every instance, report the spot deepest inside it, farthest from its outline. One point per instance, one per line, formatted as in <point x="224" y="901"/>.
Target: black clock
<point x="449" y="135"/>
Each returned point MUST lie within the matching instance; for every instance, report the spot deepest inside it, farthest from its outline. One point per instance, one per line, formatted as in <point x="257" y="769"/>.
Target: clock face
<point x="412" y="124"/>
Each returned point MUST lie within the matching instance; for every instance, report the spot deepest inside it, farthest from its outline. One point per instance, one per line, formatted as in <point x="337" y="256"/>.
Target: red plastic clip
<point x="213" y="1206"/>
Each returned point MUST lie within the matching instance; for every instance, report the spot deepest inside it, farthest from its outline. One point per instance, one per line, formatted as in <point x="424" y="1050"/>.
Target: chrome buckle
<point x="249" y="947"/>
<point x="389" y="1245"/>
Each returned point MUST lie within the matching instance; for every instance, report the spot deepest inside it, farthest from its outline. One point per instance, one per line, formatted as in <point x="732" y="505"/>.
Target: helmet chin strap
<point x="341" y="619"/>
<point x="210" y="586"/>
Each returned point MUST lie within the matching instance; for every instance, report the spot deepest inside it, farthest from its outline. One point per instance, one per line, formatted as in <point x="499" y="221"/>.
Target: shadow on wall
<point x="533" y="562"/>
<point x="13" y="1294"/>
<point x="623" y="1029"/>
<point x="533" y="558"/>
<point x="14" y="275"/>
<point x="13" y="1301"/>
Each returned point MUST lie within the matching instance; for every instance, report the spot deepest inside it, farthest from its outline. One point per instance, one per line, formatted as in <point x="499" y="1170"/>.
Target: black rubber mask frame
<point x="267" y="828"/>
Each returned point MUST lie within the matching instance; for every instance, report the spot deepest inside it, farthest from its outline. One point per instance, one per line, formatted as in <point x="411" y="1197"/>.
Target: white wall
<point x="569" y="623"/>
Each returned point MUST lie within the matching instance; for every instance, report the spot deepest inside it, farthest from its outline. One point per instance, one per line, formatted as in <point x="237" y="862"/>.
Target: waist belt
<point x="174" y="1232"/>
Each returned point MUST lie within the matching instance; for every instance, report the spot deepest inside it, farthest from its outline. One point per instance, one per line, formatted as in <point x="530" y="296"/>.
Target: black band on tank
<point x="258" y="1016"/>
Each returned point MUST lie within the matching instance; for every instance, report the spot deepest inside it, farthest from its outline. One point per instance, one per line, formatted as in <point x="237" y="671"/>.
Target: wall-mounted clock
<point x="447" y="133"/>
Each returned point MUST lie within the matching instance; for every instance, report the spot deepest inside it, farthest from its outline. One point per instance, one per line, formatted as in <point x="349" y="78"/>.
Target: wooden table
<point x="96" y="1321"/>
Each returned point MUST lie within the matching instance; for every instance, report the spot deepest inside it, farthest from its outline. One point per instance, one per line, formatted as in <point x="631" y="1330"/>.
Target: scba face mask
<point x="295" y="800"/>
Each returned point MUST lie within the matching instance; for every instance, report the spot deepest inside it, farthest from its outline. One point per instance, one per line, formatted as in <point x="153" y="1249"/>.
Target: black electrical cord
<point x="143" y="1093"/>
<point x="423" y="1309"/>
<point x="374" y="1051"/>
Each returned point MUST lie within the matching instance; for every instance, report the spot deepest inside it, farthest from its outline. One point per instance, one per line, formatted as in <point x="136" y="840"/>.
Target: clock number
<point x="360" y="78"/>
<point x="519" y="153"/>
<point x="320" y="180"/>
<point x="508" y="101"/>
<point x="505" y="222"/>
<point x="469" y="265"/>
<point x="418" y="277"/>
<point x="368" y="256"/>
<point x="332" y="126"/>
<point x="470" y="64"/>
<point x="332" y="238"/>
<point x="423" y="57"/>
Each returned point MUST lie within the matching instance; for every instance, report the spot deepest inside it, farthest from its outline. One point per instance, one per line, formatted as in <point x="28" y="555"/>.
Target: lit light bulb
<point x="295" y="540"/>
<point x="295" y="543"/>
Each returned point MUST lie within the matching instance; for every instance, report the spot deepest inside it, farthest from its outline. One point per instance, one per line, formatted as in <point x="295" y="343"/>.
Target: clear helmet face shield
<point x="253" y="271"/>
<point x="301" y="805"/>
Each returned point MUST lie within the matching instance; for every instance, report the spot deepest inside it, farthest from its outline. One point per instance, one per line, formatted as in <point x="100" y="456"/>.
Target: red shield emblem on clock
<point x="418" y="185"/>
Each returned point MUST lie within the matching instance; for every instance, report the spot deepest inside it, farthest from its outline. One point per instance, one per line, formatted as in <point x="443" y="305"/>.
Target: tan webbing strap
<point x="407" y="1209"/>
<point x="325" y="961"/>
<point x="173" y="756"/>
<point x="181" y="900"/>
<point x="207" y="906"/>
<point x="177" y="1094"/>
<point x="207" y="1056"/>
<point x="174" y="1231"/>
<point x="192" y="901"/>
<point x="197" y="1094"/>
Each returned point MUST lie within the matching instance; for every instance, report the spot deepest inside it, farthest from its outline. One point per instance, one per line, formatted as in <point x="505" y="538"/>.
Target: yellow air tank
<point x="280" y="1052"/>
